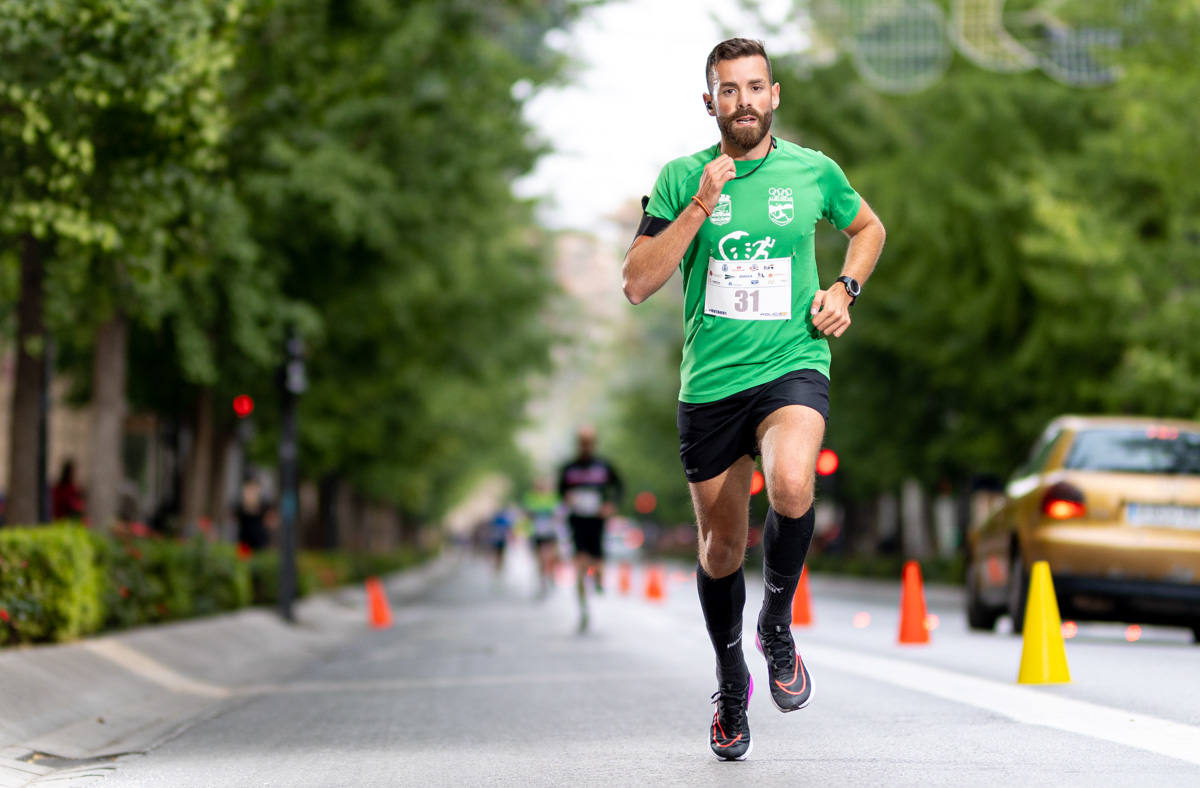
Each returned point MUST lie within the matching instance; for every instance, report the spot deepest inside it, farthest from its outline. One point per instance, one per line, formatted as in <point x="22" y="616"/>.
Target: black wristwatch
<point x="853" y="288"/>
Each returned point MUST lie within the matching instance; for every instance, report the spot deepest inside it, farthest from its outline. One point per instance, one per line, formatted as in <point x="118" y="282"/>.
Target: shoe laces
<point x="730" y="698"/>
<point x="779" y="646"/>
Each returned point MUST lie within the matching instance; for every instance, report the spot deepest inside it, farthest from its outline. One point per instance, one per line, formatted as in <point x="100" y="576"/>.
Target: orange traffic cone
<point x="912" y="606"/>
<point x="801" y="610"/>
<point x="654" y="585"/>
<point x="625" y="578"/>
<point x="379" y="615"/>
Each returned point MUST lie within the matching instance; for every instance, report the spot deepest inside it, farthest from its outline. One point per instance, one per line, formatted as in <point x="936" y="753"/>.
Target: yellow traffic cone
<point x="1043" y="656"/>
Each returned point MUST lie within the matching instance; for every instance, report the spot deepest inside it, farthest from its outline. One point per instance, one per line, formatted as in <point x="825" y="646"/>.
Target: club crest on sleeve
<point x="722" y="212"/>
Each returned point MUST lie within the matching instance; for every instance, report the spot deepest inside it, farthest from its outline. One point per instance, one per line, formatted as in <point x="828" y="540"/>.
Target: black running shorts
<point x="588" y="535"/>
<point x="714" y="435"/>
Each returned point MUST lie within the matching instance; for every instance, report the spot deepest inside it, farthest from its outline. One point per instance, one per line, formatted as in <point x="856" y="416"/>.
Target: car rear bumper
<point x="1118" y="552"/>
<point x="1135" y="601"/>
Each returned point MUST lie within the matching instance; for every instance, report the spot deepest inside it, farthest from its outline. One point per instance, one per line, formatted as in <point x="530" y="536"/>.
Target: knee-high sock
<point x="722" y="600"/>
<point x="785" y="545"/>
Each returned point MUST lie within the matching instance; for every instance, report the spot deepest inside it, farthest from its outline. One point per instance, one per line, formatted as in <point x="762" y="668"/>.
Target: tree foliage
<point x="1041" y="256"/>
<point x="377" y="148"/>
<point x="223" y="170"/>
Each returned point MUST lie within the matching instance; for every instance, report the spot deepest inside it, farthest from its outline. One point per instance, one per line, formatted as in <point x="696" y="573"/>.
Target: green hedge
<point x="50" y="584"/>
<point x="60" y="582"/>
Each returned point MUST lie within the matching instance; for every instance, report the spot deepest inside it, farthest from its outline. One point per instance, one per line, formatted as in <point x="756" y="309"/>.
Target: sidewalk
<point x="128" y="691"/>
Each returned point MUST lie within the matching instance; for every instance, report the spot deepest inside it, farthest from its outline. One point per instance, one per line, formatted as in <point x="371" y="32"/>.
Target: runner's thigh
<point x="722" y="514"/>
<point x="790" y="439"/>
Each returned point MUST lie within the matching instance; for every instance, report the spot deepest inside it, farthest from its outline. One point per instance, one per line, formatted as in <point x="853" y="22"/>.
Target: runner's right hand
<point x="717" y="173"/>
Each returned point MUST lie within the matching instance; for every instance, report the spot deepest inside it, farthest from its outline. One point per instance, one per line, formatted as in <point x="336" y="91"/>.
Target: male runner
<point x="542" y="507"/>
<point x="590" y="488"/>
<point x="738" y="221"/>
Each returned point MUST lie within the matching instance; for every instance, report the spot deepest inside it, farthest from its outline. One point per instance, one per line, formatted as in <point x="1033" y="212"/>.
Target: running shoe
<point x="791" y="687"/>
<point x="729" y="735"/>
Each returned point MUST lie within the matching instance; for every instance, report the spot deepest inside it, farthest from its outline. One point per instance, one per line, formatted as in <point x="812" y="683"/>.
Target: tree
<point x="111" y="111"/>
<point x="375" y="147"/>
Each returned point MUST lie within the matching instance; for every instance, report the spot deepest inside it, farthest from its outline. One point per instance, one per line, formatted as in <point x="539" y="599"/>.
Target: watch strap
<point x="846" y="280"/>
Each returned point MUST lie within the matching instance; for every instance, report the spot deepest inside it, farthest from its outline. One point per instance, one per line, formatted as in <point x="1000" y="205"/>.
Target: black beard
<point x="745" y="137"/>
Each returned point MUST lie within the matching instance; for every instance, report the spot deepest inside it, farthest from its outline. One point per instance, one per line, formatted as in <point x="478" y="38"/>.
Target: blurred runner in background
<point x="590" y="489"/>
<point x="542" y="508"/>
<point x="501" y="526"/>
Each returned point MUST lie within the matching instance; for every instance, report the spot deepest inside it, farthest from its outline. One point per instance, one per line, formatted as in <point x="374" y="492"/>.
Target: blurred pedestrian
<point x="254" y="517"/>
<point x="542" y="507"/>
<point x="590" y="489"/>
<point x="738" y="219"/>
<point x="499" y="530"/>
<point x="66" y="499"/>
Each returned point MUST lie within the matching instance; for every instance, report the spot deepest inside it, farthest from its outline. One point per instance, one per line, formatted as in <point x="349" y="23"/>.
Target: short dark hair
<point x="732" y="49"/>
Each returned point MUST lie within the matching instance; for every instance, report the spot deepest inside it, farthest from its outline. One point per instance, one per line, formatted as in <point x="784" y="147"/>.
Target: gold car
<point x="1113" y="504"/>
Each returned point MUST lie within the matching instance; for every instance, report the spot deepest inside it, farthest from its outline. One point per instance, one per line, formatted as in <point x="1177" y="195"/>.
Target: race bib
<point x="585" y="502"/>
<point x="749" y="289"/>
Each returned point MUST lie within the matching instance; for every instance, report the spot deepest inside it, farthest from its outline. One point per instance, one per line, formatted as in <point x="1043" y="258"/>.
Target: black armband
<point x="650" y="225"/>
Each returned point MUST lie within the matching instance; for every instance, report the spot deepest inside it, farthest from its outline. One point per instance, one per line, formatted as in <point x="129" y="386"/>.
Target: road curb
<point x="128" y="691"/>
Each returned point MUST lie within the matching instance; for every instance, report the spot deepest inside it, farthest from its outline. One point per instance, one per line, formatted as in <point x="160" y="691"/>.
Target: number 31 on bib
<point x="749" y="290"/>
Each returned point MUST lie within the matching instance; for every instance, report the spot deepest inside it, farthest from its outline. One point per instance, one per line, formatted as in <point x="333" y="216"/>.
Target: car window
<point x="1152" y="450"/>
<point x="1038" y="454"/>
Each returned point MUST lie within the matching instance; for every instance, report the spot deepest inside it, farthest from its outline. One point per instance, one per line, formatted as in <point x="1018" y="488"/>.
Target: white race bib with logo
<point x="749" y="289"/>
<point x="585" y="502"/>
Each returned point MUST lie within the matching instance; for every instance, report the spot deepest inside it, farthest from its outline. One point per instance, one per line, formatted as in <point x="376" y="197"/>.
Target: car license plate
<point x="1163" y="515"/>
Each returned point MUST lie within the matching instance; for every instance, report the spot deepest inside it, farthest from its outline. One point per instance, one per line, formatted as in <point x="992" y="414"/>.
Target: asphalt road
<point x="479" y="683"/>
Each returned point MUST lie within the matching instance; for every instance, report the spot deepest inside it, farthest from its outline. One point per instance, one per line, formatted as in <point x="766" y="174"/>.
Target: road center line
<point x="1023" y="704"/>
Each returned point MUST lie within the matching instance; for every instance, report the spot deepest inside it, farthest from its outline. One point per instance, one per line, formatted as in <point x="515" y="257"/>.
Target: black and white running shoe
<point x="791" y="687"/>
<point x="729" y="735"/>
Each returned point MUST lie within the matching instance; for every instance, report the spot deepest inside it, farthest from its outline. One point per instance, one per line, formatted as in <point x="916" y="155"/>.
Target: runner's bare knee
<point x="791" y="491"/>
<point x="721" y="553"/>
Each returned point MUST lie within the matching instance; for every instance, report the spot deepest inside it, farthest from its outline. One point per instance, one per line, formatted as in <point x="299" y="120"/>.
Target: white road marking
<point x="1020" y="703"/>
<point x="448" y="682"/>
<point x="152" y="670"/>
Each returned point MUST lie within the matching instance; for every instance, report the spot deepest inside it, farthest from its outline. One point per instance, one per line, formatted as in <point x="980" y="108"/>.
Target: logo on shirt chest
<point x="780" y="208"/>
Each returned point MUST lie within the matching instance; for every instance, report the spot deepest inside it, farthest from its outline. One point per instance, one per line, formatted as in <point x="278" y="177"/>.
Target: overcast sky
<point x="633" y="102"/>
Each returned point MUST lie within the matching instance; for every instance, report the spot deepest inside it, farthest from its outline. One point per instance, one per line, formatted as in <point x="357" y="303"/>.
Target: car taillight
<point x="1063" y="501"/>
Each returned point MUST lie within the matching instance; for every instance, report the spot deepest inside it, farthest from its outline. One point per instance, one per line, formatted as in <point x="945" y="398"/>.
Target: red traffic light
<point x="827" y="462"/>
<point x="757" y="482"/>
<point x="645" y="502"/>
<point x="243" y="406"/>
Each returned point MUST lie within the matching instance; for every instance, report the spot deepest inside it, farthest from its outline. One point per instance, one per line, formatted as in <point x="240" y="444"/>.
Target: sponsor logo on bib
<point x="780" y="208"/>
<point x="723" y="211"/>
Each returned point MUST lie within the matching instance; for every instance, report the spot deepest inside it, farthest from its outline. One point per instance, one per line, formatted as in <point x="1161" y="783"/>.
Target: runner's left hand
<point x="831" y="311"/>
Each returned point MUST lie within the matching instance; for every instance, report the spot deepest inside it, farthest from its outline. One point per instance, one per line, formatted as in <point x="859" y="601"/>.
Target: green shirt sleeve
<point x="665" y="202"/>
<point x="841" y="201"/>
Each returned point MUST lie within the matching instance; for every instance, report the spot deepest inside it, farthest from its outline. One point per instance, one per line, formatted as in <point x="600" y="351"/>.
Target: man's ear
<point x="708" y="104"/>
<point x="775" y="96"/>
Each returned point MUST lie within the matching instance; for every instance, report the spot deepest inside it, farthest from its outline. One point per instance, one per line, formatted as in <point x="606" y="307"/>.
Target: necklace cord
<point x="760" y="164"/>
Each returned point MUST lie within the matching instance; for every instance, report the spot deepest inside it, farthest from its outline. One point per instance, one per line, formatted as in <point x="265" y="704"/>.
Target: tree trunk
<point x="23" y="471"/>
<point x="196" y="476"/>
<point x="220" y="495"/>
<point x="108" y="418"/>
<point x="327" y="511"/>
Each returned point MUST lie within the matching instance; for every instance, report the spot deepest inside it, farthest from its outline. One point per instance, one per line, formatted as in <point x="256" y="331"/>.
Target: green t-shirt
<point x="740" y="327"/>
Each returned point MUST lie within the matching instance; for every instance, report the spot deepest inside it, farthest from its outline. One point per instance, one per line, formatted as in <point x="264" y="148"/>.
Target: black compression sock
<point x="722" y="600"/>
<point x="785" y="546"/>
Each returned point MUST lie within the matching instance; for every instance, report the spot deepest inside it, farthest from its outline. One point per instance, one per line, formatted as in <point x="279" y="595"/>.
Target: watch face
<point x="852" y="286"/>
